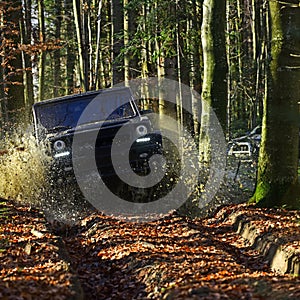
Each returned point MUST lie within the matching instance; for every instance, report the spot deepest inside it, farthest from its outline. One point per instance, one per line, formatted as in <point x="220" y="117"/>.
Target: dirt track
<point x="172" y="258"/>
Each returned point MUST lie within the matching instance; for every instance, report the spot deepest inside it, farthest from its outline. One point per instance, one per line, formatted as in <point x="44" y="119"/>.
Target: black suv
<point x="56" y="120"/>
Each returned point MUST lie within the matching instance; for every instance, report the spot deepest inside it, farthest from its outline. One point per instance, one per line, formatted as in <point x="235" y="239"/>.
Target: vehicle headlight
<point x="143" y="140"/>
<point x="59" y="145"/>
<point x="62" y="154"/>
<point x="141" y="130"/>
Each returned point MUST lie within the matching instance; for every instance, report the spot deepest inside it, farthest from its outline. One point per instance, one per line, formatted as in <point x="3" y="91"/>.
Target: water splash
<point x="23" y="167"/>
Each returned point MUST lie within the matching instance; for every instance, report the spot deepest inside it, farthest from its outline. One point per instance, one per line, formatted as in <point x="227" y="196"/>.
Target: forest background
<point x="242" y="56"/>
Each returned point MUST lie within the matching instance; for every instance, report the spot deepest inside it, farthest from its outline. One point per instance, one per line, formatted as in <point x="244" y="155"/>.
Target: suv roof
<point x="64" y="112"/>
<point x="82" y="95"/>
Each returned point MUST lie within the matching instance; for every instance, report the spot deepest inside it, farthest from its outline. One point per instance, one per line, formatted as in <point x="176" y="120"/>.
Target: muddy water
<point x="23" y="167"/>
<point x="24" y="177"/>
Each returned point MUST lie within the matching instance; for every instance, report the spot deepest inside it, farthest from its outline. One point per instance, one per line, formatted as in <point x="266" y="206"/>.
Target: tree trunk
<point x="144" y="57"/>
<point x="98" y="66"/>
<point x="126" y="41"/>
<point x="42" y="55"/>
<point x="196" y="67"/>
<point x="277" y="181"/>
<point x="70" y="51"/>
<point x="80" y="42"/>
<point x="26" y="31"/>
<point x="89" y="43"/>
<point x="87" y="47"/>
<point x="117" y="26"/>
<point x="56" y="55"/>
<point x="13" y="72"/>
<point x="179" y="101"/>
<point x="214" y="89"/>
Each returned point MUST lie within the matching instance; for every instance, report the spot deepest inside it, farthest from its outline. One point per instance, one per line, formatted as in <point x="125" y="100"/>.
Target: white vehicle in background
<point x="246" y="145"/>
<point x="240" y="149"/>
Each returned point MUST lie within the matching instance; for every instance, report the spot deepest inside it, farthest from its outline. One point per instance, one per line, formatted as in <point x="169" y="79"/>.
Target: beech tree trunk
<point x="42" y="54"/>
<point x="214" y="88"/>
<point x="97" y="54"/>
<point x="80" y="43"/>
<point x="70" y="51"/>
<point x="277" y="180"/>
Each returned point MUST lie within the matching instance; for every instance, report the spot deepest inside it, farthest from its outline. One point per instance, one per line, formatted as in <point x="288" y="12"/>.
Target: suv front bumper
<point x="140" y="153"/>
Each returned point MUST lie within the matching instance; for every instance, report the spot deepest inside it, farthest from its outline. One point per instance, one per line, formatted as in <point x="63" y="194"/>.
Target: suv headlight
<point x="141" y="130"/>
<point x="59" y="145"/>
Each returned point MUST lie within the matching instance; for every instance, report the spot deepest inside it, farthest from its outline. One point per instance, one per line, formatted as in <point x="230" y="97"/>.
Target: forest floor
<point x="171" y="258"/>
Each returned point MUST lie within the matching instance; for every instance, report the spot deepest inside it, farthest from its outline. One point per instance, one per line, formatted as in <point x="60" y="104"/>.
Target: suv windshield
<point x="66" y="113"/>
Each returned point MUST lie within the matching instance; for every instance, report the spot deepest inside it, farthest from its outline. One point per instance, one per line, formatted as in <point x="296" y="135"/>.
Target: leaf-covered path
<point x="173" y="258"/>
<point x="32" y="263"/>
